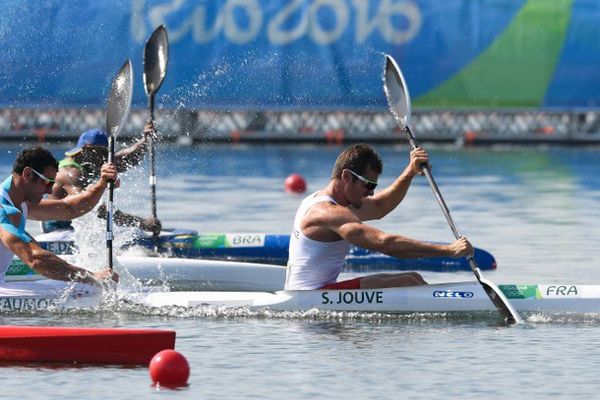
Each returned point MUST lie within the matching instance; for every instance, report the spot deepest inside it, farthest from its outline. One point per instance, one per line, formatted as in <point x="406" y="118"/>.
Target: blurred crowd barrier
<point x="197" y="126"/>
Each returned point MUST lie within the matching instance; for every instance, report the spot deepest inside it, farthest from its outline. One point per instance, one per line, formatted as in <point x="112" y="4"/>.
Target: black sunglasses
<point x="369" y="184"/>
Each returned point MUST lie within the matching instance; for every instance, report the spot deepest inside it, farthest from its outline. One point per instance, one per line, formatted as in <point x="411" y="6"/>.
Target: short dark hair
<point x="37" y="158"/>
<point x="357" y="158"/>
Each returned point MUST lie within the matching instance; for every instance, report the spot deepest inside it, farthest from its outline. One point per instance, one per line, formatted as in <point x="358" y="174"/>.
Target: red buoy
<point x="169" y="368"/>
<point x="295" y="183"/>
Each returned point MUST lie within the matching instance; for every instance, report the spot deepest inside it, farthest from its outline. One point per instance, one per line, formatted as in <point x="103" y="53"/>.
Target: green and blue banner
<point x="306" y="54"/>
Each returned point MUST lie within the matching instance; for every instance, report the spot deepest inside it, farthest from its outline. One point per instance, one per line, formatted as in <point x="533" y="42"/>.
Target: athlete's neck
<point x="335" y="189"/>
<point x="16" y="191"/>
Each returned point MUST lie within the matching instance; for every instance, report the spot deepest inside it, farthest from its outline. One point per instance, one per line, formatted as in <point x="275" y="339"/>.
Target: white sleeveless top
<point x="9" y="208"/>
<point x="313" y="264"/>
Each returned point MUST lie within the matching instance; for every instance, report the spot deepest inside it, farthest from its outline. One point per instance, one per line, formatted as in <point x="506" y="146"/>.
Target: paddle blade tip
<point x="156" y="56"/>
<point x="396" y="92"/>
<point x="119" y="101"/>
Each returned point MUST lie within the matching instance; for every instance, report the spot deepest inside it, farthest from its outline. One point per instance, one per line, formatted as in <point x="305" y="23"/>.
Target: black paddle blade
<point x="156" y="56"/>
<point x="510" y="315"/>
<point x="396" y="92"/>
<point x="119" y="100"/>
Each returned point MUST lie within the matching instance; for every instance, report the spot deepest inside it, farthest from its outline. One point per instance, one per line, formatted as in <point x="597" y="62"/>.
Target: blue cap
<point x="93" y="137"/>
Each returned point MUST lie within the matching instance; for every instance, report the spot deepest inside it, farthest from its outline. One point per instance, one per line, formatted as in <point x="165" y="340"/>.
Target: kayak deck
<point x="432" y="298"/>
<point x="273" y="249"/>
<point x="181" y="273"/>
<point x="442" y="297"/>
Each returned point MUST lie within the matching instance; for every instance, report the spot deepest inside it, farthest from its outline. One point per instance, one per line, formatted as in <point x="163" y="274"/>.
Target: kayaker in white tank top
<point x="331" y="219"/>
<point x="313" y="264"/>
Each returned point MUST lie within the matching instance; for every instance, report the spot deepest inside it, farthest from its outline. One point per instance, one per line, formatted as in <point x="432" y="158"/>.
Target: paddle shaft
<point x="441" y="202"/>
<point x="152" y="157"/>
<point x="109" y="207"/>
<point x="152" y="154"/>
<point x="494" y="294"/>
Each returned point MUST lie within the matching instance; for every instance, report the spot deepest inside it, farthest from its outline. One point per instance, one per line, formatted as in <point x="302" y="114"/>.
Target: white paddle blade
<point x="396" y="92"/>
<point x="156" y="56"/>
<point x="119" y="101"/>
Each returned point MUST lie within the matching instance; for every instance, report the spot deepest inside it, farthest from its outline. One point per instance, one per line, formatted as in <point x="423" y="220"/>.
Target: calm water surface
<point x="535" y="209"/>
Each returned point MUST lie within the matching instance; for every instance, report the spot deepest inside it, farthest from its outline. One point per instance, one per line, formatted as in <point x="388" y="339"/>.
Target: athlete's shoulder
<point x="68" y="173"/>
<point x="68" y="162"/>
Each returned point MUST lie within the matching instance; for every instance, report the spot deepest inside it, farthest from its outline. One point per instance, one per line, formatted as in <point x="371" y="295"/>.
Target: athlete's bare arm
<point x="76" y="205"/>
<point x="330" y="222"/>
<point x="50" y="265"/>
<point x="386" y="200"/>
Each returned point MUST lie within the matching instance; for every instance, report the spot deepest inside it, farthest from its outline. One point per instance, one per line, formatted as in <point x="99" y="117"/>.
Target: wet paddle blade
<point x="156" y="56"/>
<point x="119" y="101"/>
<point x="396" y="92"/>
<point x="510" y="315"/>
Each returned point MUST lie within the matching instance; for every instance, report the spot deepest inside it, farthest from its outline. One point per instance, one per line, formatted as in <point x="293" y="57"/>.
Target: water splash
<point x="90" y="239"/>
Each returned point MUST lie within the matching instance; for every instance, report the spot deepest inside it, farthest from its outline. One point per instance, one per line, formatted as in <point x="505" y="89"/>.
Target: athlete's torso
<point x="313" y="264"/>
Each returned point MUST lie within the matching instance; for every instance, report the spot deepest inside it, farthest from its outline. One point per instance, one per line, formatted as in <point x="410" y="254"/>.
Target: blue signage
<point x="305" y="54"/>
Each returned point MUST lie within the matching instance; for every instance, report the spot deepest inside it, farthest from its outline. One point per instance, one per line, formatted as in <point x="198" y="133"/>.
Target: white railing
<point x="330" y="126"/>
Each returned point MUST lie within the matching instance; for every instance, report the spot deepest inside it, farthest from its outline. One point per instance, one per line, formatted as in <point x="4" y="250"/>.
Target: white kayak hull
<point x="434" y="298"/>
<point x="442" y="297"/>
<point x="45" y="295"/>
<point x="189" y="274"/>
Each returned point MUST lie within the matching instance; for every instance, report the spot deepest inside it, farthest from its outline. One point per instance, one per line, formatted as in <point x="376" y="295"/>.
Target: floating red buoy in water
<point x="295" y="183"/>
<point x="169" y="368"/>
<point x="470" y="137"/>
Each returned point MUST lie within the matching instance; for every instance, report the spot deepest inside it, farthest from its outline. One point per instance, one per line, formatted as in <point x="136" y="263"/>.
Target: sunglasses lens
<point x="369" y="185"/>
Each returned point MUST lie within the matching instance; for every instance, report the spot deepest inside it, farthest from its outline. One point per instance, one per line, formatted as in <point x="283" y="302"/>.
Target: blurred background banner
<point x="306" y="54"/>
